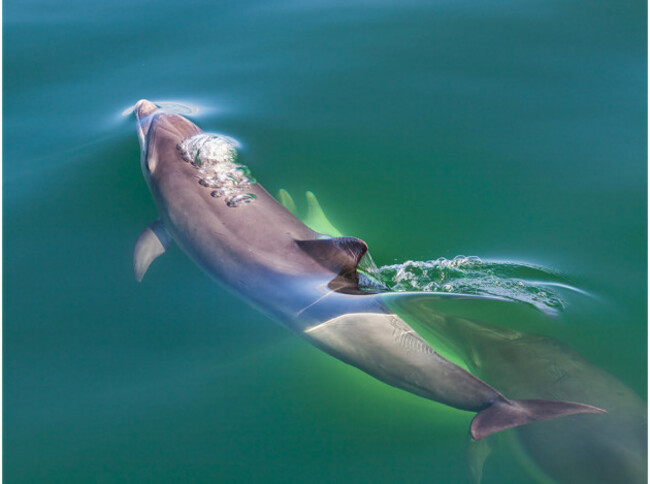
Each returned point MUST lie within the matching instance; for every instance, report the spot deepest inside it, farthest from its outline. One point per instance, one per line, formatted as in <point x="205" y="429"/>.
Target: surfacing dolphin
<point x="241" y="236"/>
<point x="576" y="450"/>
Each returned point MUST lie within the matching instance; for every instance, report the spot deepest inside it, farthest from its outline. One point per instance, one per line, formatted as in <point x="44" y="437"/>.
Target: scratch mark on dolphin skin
<point x="408" y="338"/>
<point x="310" y="305"/>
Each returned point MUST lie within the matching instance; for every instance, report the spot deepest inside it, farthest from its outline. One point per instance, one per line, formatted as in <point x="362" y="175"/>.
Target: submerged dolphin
<point x="586" y="449"/>
<point x="242" y="237"/>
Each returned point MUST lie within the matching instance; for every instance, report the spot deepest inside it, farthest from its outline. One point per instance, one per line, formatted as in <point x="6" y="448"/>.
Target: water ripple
<point x="519" y="282"/>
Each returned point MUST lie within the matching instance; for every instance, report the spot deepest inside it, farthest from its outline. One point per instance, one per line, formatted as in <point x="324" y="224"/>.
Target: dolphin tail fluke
<point x="506" y="414"/>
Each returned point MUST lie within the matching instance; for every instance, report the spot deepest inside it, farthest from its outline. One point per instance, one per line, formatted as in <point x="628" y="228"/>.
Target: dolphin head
<point x="159" y="131"/>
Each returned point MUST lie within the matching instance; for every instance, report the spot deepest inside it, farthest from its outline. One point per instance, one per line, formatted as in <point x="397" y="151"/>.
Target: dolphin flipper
<point x="315" y="218"/>
<point x="152" y="243"/>
<point x="287" y="202"/>
<point x="477" y="453"/>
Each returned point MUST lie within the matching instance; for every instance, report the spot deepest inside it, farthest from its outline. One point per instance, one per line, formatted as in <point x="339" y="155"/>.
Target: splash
<point x="215" y="158"/>
<point x="524" y="283"/>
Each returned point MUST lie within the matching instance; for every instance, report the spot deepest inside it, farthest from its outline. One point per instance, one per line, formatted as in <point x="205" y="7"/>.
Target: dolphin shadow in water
<point x="218" y="214"/>
<point x="577" y="449"/>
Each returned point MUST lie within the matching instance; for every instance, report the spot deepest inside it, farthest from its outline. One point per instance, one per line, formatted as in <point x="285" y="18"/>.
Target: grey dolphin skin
<point x="585" y="449"/>
<point x="242" y="237"/>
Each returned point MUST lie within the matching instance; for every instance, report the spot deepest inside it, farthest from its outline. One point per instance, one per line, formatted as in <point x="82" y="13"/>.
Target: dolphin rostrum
<point x="218" y="214"/>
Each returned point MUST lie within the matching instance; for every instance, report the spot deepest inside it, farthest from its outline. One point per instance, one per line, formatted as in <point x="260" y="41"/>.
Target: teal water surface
<point x="510" y="131"/>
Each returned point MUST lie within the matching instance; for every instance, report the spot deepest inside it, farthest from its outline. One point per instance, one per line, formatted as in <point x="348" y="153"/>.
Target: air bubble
<point x="241" y="199"/>
<point x="214" y="156"/>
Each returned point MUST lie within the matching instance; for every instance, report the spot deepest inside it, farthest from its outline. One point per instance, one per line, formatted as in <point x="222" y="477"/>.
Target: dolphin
<point x="586" y="449"/>
<point x="225" y="221"/>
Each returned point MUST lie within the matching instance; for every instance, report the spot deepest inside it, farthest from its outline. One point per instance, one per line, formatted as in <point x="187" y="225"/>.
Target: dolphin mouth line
<point x="142" y="136"/>
<point x="145" y="112"/>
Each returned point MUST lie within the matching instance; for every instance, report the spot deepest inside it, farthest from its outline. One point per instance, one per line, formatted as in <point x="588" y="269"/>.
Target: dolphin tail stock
<point x="513" y="413"/>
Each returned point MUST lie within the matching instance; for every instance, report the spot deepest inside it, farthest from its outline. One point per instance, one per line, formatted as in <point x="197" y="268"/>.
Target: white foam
<point x="214" y="156"/>
<point x="470" y="275"/>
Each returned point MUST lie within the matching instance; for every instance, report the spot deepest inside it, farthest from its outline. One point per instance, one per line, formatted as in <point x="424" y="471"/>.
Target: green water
<point x="510" y="131"/>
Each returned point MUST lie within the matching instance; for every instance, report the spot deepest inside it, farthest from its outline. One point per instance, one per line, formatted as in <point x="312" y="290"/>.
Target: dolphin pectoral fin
<point x="316" y="219"/>
<point x="152" y="243"/>
<point x="505" y="414"/>
<point x="477" y="454"/>
<point x="285" y="198"/>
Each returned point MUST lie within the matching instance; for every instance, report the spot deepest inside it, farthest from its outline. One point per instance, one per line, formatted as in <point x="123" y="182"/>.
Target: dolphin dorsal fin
<point x="341" y="254"/>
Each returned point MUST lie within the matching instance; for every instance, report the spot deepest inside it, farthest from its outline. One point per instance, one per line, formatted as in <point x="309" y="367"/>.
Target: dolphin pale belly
<point x="213" y="208"/>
